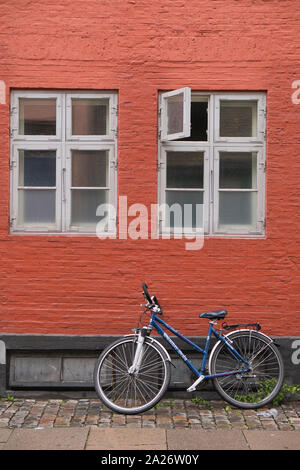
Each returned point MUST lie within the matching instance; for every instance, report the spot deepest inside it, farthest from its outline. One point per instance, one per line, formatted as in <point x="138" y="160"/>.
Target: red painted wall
<point x="81" y="285"/>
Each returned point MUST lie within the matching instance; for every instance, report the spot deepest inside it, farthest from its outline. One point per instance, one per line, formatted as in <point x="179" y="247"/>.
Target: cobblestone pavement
<point x="168" y="414"/>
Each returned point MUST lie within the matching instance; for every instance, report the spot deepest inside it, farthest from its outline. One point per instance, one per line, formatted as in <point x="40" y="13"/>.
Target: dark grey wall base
<point x="63" y="365"/>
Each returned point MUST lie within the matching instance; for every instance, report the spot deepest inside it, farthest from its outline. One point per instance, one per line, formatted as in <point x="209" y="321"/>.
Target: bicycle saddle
<point x="214" y="315"/>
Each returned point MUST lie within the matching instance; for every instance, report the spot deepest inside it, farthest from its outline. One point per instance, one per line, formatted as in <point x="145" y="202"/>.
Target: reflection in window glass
<point x="175" y="113"/>
<point x="37" y="116"/>
<point x="189" y="212"/>
<point x="185" y="170"/>
<point x="37" y="168"/>
<point x="238" y="118"/>
<point x="84" y="205"/>
<point x="90" y="116"/>
<point x="36" y="206"/>
<point x="238" y="170"/>
<point x="237" y="209"/>
<point x="89" y="168"/>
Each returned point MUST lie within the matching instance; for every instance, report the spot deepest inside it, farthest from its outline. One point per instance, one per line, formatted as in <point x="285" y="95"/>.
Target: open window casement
<point x="176" y="114"/>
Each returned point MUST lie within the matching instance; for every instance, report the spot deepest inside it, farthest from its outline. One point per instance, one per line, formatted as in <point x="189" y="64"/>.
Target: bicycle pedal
<point x="193" y="387"/>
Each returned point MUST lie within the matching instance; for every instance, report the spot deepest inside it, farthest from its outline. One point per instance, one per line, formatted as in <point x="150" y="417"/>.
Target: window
<point x="211" y="161"/>
<point x="63" y="160"/>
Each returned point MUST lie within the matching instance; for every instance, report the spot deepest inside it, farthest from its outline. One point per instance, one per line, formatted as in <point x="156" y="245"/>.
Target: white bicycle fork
<point x="134" y="369"/>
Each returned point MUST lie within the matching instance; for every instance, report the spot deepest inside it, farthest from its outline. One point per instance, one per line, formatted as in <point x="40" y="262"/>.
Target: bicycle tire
<point x="131" y="393"/>
<point x="262" y="383"/>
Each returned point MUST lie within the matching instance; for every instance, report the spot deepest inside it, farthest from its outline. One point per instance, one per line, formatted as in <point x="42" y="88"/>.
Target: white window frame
<point x="63" y="142"/>
<point x="165" y="230"/>
<point x="212" y="147"/>
<point x="260" y="190"/>
<point x="15" y="115"/>
<point x="112" y="121"/>
<point x="186" y="119"/>
<point x="69" y="227"/>
<point x="15" y="226"/>
<point x="261" y="114"/>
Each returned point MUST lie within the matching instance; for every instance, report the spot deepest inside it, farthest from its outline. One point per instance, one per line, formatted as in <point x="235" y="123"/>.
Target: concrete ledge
<point x="64" y="363"/>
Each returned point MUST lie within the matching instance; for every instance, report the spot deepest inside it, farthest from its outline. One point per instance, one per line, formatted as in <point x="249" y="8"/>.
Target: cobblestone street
<point x="168" y="414"/>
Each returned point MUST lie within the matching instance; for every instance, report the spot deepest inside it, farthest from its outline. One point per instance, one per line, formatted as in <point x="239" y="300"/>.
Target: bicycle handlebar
<point x="152" y="301"/>
<point x="146" y="293"/>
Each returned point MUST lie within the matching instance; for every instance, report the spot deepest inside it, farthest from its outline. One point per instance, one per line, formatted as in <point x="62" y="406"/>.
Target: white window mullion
<point x="210" y="167"/>
<point x="214" y="181"/>
<point x="59" y="163"/>
<point x="64" y="178"/>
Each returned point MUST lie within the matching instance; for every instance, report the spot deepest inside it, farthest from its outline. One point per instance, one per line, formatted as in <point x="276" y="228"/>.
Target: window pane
<point x="238" y="209"/>
<point x="185" y="169"/>
<point x="37" y="168"/>
<point x="89" y="168"/>
<point x="175" y="113"/>
<point x="238" y="170"/>
<point x="84" y="205"/>
<point x="238" y="118"/>
<point x="36" y="206"/>
<point x="188" y="213"/>
<point x="90" y="116"/>
<point x="37" y="116"/>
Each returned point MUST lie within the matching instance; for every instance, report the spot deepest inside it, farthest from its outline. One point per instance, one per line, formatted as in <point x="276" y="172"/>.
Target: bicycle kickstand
<point x="193" y="387"/>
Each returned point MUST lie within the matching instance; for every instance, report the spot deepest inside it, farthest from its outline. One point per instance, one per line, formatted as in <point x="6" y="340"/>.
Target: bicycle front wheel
<point x="129" y="393"/>
<point x="263" y="381"/>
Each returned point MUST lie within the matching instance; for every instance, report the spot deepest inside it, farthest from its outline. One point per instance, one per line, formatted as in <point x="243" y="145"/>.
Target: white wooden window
<point x="175" y="114"/>
<point x="220" y="163"/>
<point x="63" y="160"/>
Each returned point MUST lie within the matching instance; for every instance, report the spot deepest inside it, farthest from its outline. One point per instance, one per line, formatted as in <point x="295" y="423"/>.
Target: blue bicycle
<point x="132" y="374"/>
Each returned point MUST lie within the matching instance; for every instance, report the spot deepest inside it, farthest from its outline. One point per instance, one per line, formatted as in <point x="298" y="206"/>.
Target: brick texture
<point x="81" y="285"/>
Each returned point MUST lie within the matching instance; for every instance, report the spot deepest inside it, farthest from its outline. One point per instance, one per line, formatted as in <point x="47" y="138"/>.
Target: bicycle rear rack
<point x="255" y="325"/>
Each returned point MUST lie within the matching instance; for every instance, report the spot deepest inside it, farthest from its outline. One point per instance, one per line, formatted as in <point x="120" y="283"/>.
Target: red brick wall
<point x="81" y="285"/>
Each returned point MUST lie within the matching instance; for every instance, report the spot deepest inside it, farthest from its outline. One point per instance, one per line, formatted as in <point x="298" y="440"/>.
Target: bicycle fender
<point x="228" y="337"/>
<point x="153" y="340"/>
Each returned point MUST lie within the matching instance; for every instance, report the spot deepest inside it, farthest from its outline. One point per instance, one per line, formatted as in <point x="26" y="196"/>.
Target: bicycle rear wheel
<point x="258" y="386"/>
<point x="131" y="393"/>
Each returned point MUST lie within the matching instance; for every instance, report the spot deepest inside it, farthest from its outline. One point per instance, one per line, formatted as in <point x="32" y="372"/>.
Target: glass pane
<point x="84" y="205"/>
<point x="37" y="116"/>
<point x="175" y="113"/>
<point x="90" y="116"/>
<point x="238" y="118"/>
<point x="89" y="168"/>
<point x="238" y="170"/>
<point x="188" y="211"/>
<point x="36" y="206"/>
<point x="37" y="167"/>
<point x="185" y="169"/>
<point x="238" y="209"/>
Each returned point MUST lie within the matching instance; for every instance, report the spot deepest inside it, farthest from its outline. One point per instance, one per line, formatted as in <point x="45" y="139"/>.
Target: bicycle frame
<point x="156" y="322"/>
